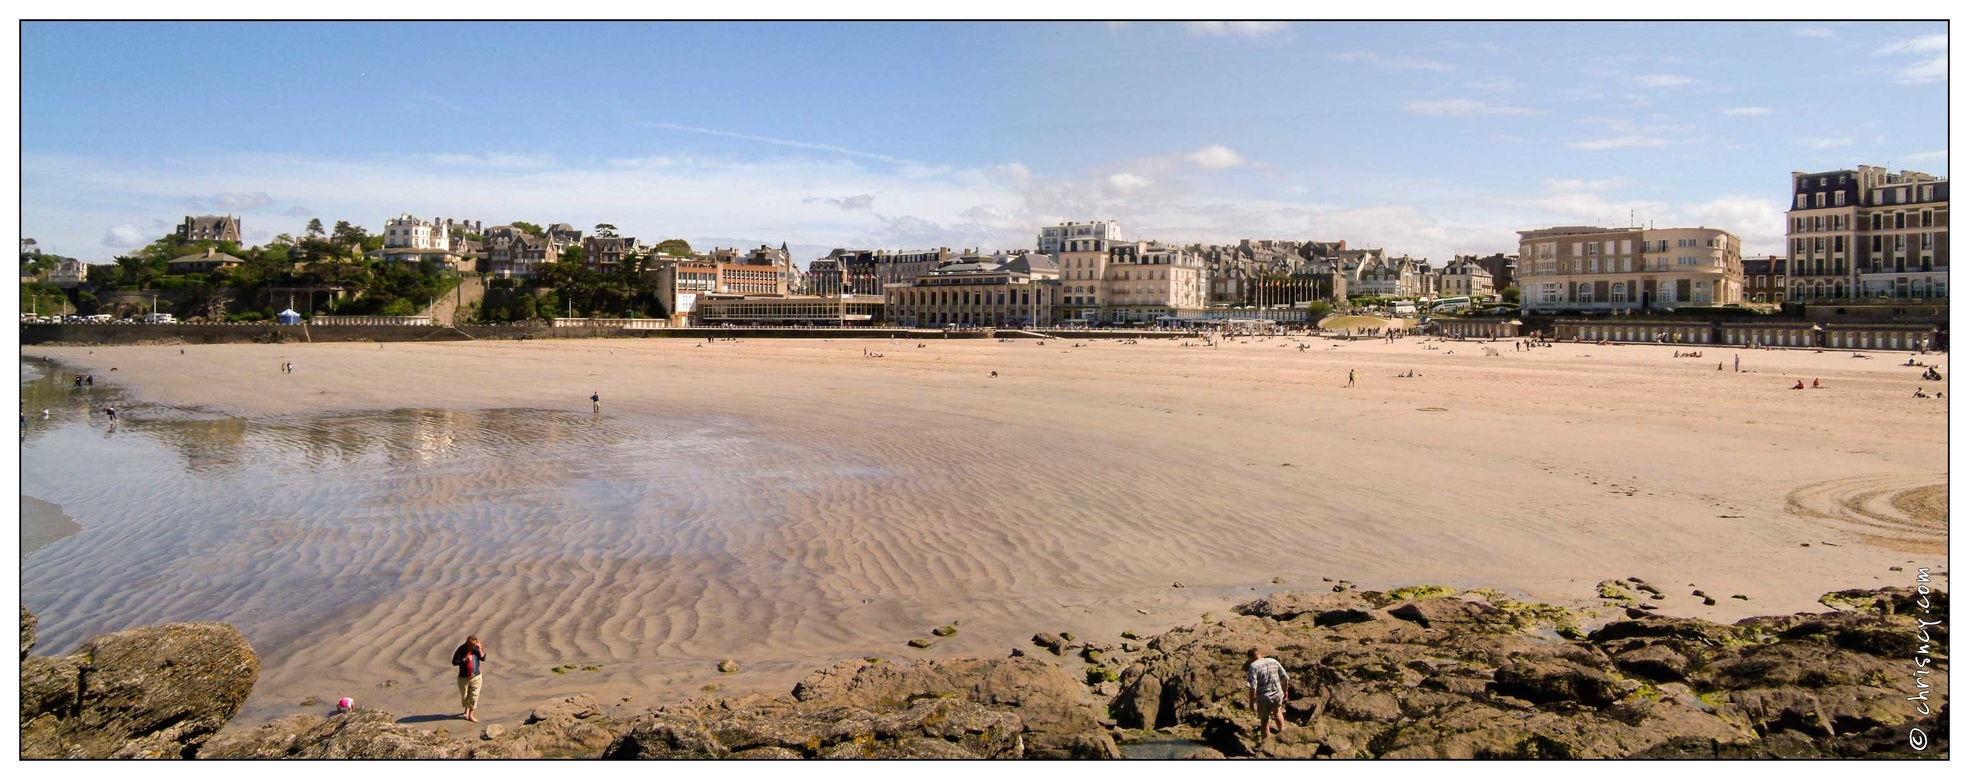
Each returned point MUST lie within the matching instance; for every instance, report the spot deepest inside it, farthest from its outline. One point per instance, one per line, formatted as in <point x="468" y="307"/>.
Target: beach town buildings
<point x="1052" y="239"/>
<point x="605" y="254"/>
<point x="408" y="239"/>
<point x="1764" y="279"/>
<point x="69" y="273"/>
<point x="1867" y="233"/>
<point x="1587" y="268"/>
<point x="998" y="290"/>
<point x="1145" y="282"/>
<point x="203" y="262"/>
<point x="209" y="228"/>
<point x="1465" y="276"/>
<point x="512" y="253"/>
<point x="868" y="271"/>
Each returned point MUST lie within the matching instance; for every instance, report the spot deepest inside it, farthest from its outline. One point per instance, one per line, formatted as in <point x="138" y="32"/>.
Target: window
<point x="1801" y="200"/>
<point x="1900" y="195"/>
<point x="1839" y="198"/>
<point x="1820" y="198"/>
<point x="1927" y="219"/>
<point x="1876" y="220"/>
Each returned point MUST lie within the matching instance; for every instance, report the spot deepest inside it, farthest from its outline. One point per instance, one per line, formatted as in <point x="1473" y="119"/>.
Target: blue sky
<point x="1424" y="138"/>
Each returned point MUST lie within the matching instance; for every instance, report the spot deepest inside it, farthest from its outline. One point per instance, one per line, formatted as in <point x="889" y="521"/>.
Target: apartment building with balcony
<point x="1585" y="268"/>
<point x="1866" y="232"/>
<point x="1052" y="239"/>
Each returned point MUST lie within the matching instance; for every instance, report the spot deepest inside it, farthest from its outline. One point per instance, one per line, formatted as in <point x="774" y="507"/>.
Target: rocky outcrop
<point x="568" y="727"/>
<point x="154" y="692"/>
<point x="872" y="708"/>
<point x="1410" y="673"/>
<point x="1462" y="677"/>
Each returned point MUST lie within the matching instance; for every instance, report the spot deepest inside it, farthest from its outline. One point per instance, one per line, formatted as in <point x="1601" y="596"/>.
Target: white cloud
<point x="1464" y="107"/>
<point x="1659" y="80"/>
<point x="1127" y="181"/>
<point x="1494" y="84"/>
<point x="853" y="203"/>
<point x="1935" y="69"/>
<point x="1246" y="29"/>
<point x="1824" y="143"/>
<point x="1747" y="111"/>
<point x="1920" y="44"/>
<point x="500" y="160"/>
<point x="1396" y="62"/>
<point x="1921" y="156"/>
<point x="126" y="236"/>
<point x="1813" y="32"/>
<point x="1929" y="69"/>
<point x="231" y="201"/>
<point x="1585" y="185"/>
<point x="1215" y="157"/>
<point x="1620" y="142"/>
<point x="778" y="142"/>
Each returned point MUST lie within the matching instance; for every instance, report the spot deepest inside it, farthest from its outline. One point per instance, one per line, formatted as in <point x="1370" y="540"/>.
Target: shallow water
<point x="336" y="540"/>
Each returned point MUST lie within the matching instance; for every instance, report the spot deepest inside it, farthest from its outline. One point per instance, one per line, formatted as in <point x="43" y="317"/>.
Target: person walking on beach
<point x="470" y="660"/>
<point x="596" y="399"/>
<point x="1350" y="377"/>
<point x="1268" y="685"/>
<point x="1736" y="364"/>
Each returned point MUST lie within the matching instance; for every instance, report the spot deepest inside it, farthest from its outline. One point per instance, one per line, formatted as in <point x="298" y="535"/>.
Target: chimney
<point x="209" y="251"/>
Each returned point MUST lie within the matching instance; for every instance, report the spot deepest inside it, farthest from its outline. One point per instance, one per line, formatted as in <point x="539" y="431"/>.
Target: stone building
<point x="1584" y="268"/>
<point x="870" y="270"/>
<point x="1052" y="239"/>
<point x="209" y="228"/>
<point x="1465" y="276"/>
<point x="1867" y="233"/>
<point x="1764" y="279"/>
<point x="605" y="255"/>
<point x="995" y="291"/>
<point x="1145" y="283"/>
<point x="408" y="239"/>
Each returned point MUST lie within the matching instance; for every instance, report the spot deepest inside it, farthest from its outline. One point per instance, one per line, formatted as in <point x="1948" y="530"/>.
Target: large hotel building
<point x="1867" y="233"/>
<point x="1582" y="268"/>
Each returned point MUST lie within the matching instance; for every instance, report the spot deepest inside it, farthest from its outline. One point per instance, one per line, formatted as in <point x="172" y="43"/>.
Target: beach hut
<point x="288" y="317"/>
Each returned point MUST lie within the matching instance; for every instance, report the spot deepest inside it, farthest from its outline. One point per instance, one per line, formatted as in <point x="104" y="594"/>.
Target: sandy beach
<point x="890" y="495"/>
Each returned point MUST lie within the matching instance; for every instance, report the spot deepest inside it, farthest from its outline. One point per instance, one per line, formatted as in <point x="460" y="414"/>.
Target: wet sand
<point x="870" y="500"/>
<point x="43" y="524"/>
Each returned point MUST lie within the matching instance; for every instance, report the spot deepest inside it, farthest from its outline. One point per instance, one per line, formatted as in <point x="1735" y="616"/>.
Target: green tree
<point x="674" y="247"/>
<point x="346" y="233"/>
<point x="529" y="228"/>
<point x="1510" y="294"/>
<point x="314" y="229"/>
<point x="1317" y="310"/>
<point x="604" y="230"/>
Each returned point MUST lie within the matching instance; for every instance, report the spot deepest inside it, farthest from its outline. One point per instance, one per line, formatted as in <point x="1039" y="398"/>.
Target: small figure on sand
<point x="1919" y="394"/>
<point x="1350" y="377"/>
<point x="1736" y="363"/>
<point x="596" y="399"/>
<point x="110" y="412"/>
<point x="1816" y="385"/>
<point x="994" y="375"/>
<point x="470" y="660"/>
<point x="1268" y="685"/>
<point x="1799" y="386"/>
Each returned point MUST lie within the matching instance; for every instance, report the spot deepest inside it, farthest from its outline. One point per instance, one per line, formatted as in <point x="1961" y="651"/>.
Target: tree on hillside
<point x="1511" y="294"/>
<point x="346" y="233"/>
<point x="529" y="228"/>
<point x="604" y="230"/>
<point x="314" y="228"/>
<point x="674" y="247"/>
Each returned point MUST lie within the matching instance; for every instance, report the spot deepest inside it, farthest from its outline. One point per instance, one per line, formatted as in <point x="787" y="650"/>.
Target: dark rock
<point x="159" y="691"/>
<point x="1050" y="641"/>
<point x="28" y="620"/>
<point x="1654" y="662"/>
<point x="358" y="734"/>
<point x="1444" y="612"/>
<point x="919" y="643"/>
<point x="1549" y="681"/>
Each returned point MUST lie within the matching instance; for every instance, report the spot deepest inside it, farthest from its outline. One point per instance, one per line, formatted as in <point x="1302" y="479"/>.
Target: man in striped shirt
<point x="1269" y="687"/>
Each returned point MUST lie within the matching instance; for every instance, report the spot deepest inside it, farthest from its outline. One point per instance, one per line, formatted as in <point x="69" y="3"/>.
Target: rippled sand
<point x="790" y="503"/>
